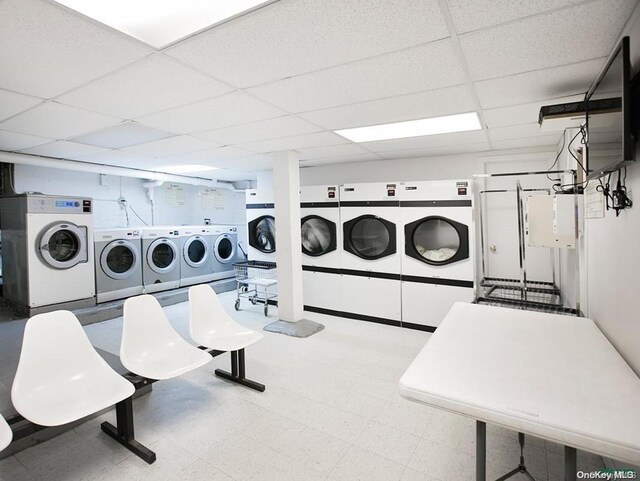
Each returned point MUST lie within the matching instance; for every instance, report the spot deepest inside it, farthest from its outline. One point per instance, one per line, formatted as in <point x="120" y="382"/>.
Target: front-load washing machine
<point x="196" y="260"/>
<point x="225" y="250"/>
<point x="370" y="256"/>
<point x="47" y="251"/>
<point x="261" y="224"/>
<point x="437" y="250"/>
<point x="118" y="262"/>
<point x="321" y="244"/>
<point x="161" y="252"/>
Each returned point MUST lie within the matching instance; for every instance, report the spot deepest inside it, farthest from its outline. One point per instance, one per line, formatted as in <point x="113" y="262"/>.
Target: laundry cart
<point x="256" y="281"/>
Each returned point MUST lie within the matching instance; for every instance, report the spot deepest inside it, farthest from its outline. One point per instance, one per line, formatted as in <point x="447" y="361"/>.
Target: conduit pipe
<point x="80" y="166"/>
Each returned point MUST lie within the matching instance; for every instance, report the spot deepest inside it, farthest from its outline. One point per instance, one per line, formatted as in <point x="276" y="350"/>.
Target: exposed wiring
<point x="559" y="187"/>
<point x="136" y="214"/>
<point x="564" y="140"/>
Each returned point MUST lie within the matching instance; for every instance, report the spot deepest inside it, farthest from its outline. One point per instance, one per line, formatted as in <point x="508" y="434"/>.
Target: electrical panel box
<point x="552" y="220"/>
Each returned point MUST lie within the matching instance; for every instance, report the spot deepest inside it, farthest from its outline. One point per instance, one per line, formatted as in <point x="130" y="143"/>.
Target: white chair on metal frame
<point x="151" y="347"/>
<point x="61" y="378"/>
<point x="6" y="435"/>
<point x="211" y="327"/>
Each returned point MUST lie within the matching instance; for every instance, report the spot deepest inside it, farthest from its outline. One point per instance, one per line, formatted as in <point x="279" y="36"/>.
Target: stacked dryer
<point x="370" y="257"/>
<point x="321" y="244"/>
<point x="261" y="225"/>
<point x="437" y="243"/>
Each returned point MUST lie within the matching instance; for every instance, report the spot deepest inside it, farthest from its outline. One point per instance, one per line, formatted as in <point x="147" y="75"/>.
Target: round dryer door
<point x="437" y="240"/>
<point x="262" y="233"/>
<point x="162" y="255"/>
<point x="370" y="237"/>
<point x="318" y="235"/>
<point x="195" y="251"/>
<point x="63" y="246"/>
<point x="225" y="249"/>
<point x="119" y="259"/>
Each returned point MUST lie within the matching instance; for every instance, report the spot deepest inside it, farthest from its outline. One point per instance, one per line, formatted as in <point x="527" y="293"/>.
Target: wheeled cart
<point x="256" y="281"/>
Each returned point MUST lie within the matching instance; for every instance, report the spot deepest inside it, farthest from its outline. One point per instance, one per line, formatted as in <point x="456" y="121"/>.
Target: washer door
<point x="318" y="235"/>
<point x="437" y="240"/>
<point x="162" y="255"/>
<point x="195" y="251"/>
<point x="119" y="259"/>
<point x="262" y="233"/>
<point x="225" y="249"/>
<point x="63" y="246"/>
<point x="370" y="237"/>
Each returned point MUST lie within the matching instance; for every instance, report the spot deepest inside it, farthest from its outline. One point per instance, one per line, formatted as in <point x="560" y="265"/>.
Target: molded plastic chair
<point x="60" y="377"/>
<point x="6" y="435"/>
<point x="151" y="347"/>
<point x="211" y="327"/>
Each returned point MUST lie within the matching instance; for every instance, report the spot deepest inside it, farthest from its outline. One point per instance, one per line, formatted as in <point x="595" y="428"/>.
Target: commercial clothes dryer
<point x="261" y="226"/>
<point x="196" y="259"/>
<point x="321" y="235"/>
<point x="370" y="256"/>
<point x="47" y="251"/>
<point x="225" y="250"/>
<point x="161" y="267"/>
<point x="437" y="249"/>
<point x="118" y="263"/>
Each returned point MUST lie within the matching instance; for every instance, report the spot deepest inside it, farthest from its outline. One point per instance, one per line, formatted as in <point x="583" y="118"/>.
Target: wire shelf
<point x="503" y="282"/>
<point x="527" y="306"/>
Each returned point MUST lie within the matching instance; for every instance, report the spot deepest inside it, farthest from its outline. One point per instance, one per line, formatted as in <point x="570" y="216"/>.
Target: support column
<point x="286" y="188"/>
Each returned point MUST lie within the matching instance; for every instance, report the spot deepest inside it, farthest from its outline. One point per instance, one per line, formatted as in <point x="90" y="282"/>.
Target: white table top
<point x="552" y="376"/>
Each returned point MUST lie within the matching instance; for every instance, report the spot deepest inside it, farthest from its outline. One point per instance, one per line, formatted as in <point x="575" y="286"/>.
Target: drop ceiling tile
<point x="209" y="156"/>
<point x="433" y="103"/>
<point x="285" y="126"/>
<point x="121" y="159"/>
<point x="181" y="144"/>
<point x="11" y="141"/>
<point x="124" y="134"/>
<point x="290" y="38"/>
<point x="150" y="85"/>
<point x="12" y="103"/>
<point x="515" y="132"/>
<point x="426" y="141"/>
<point x="247" y="164"/>
<point x="528" y="87"/>
<point x="546" y="40"/>
<point x="347" y="159"/>
<point x="63" y="149"/>
<point x="442" y="150"/>
<point x="295" y="142"/>
<point x="522" y="114"/>
<point x="47" y="49"/>
<point x="224" y="111"/>
<point x="57" y="121"/>
<point x="468" y="16"/>
<point x="421" y="68"/>
<point x="332" y="151"/>
<point x="546" y="140"/>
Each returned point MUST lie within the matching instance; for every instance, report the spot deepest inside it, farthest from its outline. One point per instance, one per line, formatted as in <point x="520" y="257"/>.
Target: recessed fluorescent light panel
<point x="186" y="168"/>
<point x="161" y="22"/>
<point x="414" y="128"/>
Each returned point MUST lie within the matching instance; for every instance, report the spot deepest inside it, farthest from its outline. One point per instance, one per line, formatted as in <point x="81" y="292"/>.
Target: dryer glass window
<point x="265" y="234"/>
<point x="63" y="245"/>
<point x="120" y="259"/>
<point x="370" y="237"/>
<point x="162" y="256"/>
<point x="316" y="236"/>
<point x="196" y="250"/>
<point x="225" y="248"/>
<point x="436" y="240"/>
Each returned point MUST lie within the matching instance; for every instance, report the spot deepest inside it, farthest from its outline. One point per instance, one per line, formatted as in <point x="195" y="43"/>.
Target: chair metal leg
<point x="125" y="434"/>
<point x="237" y="373"/>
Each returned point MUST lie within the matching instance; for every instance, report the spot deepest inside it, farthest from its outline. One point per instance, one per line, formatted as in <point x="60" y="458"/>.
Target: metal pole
<point x="521" y="238"/>
<point x="481" y="451"/>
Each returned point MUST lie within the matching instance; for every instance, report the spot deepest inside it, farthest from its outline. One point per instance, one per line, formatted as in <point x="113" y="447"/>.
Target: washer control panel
<point x="58" y="205"/>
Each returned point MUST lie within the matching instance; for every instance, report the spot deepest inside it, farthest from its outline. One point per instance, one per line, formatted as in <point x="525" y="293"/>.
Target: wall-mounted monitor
<point x="610" y="141"/>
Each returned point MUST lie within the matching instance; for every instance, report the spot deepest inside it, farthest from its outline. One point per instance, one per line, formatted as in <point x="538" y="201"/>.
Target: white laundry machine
<point x="118" y="263"/>
<point x="225" y="250"/>
<point x="437" y="250"/>
<point x="47" y="251"/>
<point x="196" y="257"/>
<point x="370" y="256"/>
<point x="161" y="252"/>
<point x="321" y="235"/>
<point x="261" y="224"/>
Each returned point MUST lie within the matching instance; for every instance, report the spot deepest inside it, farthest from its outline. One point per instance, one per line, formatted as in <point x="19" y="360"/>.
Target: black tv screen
<point x="610" y="143"/>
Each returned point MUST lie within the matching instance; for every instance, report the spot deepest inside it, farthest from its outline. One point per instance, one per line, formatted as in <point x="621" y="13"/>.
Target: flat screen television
<point x="610" y="141"/>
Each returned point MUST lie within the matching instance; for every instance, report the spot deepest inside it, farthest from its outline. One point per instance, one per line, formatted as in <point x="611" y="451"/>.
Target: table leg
<point x="570" y="464"/>
<point x="481" y="451"/>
